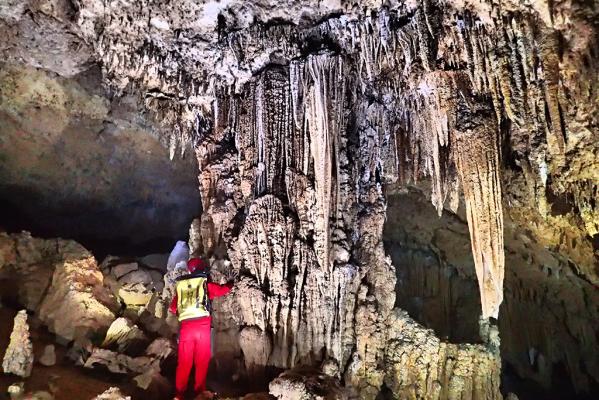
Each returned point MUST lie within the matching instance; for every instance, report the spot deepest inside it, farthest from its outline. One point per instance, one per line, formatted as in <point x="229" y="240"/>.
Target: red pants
<point x="194" y="348"/>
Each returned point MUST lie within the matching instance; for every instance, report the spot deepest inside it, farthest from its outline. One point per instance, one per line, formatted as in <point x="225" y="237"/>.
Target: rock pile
<point x="60" y="282"/>
<point x="132" y="282"/>
<point x="306" y="384"/>
<point x="112" y="393"/>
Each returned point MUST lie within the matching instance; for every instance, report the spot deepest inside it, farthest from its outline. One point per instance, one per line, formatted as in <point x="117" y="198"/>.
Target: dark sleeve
<point x="216" y="290"/>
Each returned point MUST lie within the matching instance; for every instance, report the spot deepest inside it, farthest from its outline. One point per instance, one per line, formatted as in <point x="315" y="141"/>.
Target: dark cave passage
<point x="14" y="220"/>
<point x="435" y="270"/>
<point x="437" y="286"/>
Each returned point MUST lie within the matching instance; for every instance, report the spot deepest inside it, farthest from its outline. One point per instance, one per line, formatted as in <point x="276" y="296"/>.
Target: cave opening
<point x="437" y="286"/>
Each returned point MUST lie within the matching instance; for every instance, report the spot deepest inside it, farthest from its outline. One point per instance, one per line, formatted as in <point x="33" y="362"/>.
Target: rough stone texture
<point x="306" y="385"/>
<point x="301" y="113"/>
<point x="77" y="304"/>
<point x="18" y="359"/>
<point x="29" y="263"/>
<point x="420" y="366"/>
<point x="112" y="393"/>
<point x="118" y="363"/>
<point x="77" y="163"/>
<point x="134" y="284"/>
<point x="547" y="318"/>
<point x="59" y="281"/>
<point x="125" y="337"/>
<point x="16" y="390"/>
<point x="122" y="269"/>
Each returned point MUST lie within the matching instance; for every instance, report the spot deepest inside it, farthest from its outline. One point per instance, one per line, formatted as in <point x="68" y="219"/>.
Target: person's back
<point x="192" y="304"/>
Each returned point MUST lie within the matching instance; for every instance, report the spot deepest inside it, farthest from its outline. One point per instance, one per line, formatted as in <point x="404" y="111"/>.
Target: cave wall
<point x="546" y="323"/>
<point x="76" y="163"/>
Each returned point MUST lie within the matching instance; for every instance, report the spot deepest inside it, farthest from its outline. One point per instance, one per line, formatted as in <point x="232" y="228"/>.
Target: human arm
<point x="216" y="290"/>
<point x="173" y="306"/>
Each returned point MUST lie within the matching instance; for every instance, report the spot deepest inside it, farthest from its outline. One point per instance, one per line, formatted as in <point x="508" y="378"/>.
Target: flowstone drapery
<point x="301" y="220"/>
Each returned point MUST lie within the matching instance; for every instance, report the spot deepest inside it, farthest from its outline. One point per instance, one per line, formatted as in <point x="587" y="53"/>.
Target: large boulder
<point x="58" y="280"/>
<point x="77" y="303"/>
<point x="29" y="263"/>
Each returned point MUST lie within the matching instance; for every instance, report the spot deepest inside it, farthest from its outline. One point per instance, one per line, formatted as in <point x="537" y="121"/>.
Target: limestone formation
<point x="437" y="285"/>
<point x="77" y="304"/>
<point x="125" y="337"/>
<point x="306" y="385"/>
<point x="30" y="262"/>
<point x="112" y="393"/>
<point x="16" y="391"/>
<point x="445" y="370"/>
<point x="118" y="363"/>
<point x="133" y="284"/>
<point x="304" y="117"/>
<point x="146" y="366"/>
<point x="18" y="358"/>
<point x="48" y="357"/>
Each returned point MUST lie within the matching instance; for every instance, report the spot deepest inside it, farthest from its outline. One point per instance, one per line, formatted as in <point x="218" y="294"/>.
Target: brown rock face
<point x="74" y="163"/>
<point x="302" y="126"/>
<point x="59" y="281"/>
<point x="77" y="304"/>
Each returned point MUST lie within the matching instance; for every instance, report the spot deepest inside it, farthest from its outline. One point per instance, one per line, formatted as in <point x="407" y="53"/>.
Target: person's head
<point x="196" y="264"/>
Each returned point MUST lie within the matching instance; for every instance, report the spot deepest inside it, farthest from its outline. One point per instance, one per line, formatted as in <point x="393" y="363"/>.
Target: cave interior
<point x="403" y="195"/>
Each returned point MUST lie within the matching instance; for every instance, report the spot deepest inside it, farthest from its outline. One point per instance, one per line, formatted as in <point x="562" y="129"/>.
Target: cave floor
<point x="74" y="382"/>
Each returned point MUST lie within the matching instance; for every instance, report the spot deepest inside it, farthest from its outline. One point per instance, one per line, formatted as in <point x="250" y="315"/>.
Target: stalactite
<point x="324" y="115"/>
<point x="427" y="118"/>
<point x="477" y="155"/>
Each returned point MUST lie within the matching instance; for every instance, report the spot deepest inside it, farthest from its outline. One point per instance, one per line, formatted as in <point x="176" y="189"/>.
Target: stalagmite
<point x="48" y="357"/>
<point x="18" y="358"/>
